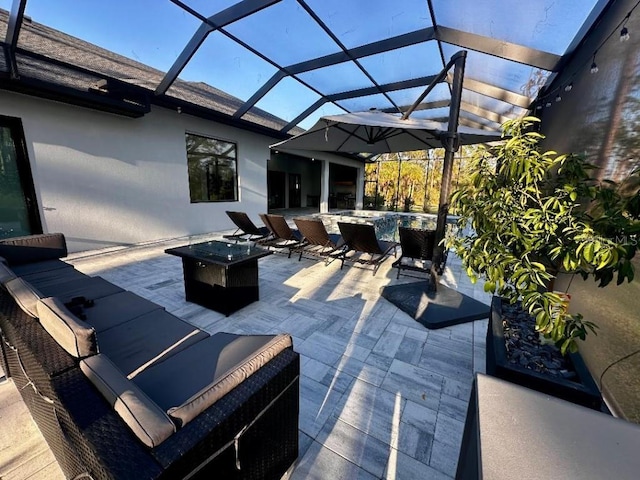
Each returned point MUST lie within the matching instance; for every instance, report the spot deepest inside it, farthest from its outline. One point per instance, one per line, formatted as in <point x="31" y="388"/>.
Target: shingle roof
<point x="48" y="58"/>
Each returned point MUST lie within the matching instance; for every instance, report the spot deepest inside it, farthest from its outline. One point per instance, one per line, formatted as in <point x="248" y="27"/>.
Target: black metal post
<point x="450" y="144"/>
<point x="395" y="204"/>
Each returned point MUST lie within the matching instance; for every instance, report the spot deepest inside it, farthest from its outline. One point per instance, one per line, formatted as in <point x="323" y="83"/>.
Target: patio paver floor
<point x="380" y="395"/>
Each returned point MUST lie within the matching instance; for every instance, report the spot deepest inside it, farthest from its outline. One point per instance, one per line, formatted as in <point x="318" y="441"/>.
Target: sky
<point x="155" y="32"/>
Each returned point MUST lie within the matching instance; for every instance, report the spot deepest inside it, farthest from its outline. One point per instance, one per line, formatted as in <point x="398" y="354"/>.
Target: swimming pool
<point x="385" y="223"/>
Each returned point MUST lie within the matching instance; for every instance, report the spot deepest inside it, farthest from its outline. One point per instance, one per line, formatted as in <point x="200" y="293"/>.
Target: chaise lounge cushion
<point x="6" y="273"/>
<point x="25" y="295"/>
<point x="149" y="423"/>
<point x="75" y="336"/>
<point x="188" y="382"/>
<point x="33" y="248"/>
<point x="134" y="345"/>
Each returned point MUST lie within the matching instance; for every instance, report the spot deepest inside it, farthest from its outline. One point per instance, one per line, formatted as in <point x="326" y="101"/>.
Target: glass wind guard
<point x="288" y="99"/>
<point x="415" y="61"/>
<point x="285" y="33"/>
<point x="361" y="104"/>
<point x="323" y="111"/>
<point x="547" y="25"/>
<point x="112" y="26"/>
<point x="511" y="76"/>
<point x="228" y="66"/>
<point x="361" y="22"/>
<point x="342" y="77"/>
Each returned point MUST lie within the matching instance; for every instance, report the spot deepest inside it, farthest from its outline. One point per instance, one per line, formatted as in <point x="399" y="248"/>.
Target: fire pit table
<point x="219" y="275"/>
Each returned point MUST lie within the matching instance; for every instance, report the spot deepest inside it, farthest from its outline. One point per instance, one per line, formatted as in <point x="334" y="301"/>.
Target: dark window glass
<point x="213" y="169"/>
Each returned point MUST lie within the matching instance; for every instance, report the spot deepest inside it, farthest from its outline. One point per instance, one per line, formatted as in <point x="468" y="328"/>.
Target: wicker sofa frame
<point x="250" y="433"/>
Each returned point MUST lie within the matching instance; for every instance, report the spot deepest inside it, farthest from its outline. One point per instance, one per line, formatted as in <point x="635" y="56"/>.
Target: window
<point x="213" y="169"/>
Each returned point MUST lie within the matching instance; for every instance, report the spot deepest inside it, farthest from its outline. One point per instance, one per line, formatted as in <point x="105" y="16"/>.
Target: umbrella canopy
<point x="379" y="132"/>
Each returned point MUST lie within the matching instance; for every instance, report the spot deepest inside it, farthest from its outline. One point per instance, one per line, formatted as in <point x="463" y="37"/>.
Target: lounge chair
<point x="361" y="238"/>
<point x="417" y="251"/>
<point x="283" y="235"/>
<point x="246" y="228"/>
<point x="318" y="241"/>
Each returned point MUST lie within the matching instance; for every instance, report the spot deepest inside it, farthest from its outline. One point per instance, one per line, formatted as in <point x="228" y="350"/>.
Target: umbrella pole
<point x="450" y="143"/>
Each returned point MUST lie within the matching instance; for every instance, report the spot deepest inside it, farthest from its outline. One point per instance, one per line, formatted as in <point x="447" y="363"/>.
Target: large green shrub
<point x="534" y="214"/>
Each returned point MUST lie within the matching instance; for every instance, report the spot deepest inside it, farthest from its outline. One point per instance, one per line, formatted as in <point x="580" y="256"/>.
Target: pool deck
<point x="380" y="395"/>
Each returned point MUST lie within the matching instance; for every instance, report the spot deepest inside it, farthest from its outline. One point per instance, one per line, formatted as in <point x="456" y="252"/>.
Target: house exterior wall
<point x="104" y="180"/>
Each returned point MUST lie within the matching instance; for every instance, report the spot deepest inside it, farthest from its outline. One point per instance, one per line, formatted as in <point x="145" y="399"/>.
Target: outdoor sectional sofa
<point x="120" y="388"/>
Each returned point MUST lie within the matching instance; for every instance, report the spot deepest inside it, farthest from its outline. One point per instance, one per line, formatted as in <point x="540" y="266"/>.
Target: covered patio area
<point x="380" y="395"/>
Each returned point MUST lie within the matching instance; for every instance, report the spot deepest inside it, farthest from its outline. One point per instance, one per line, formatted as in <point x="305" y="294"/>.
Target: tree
<point x="536" y="214"/>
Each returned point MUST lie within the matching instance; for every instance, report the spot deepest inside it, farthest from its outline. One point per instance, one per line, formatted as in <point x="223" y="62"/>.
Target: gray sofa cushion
<point x="33" y="248"/>
<point x="6" y="273"/>
<point x="134" y="345"/>
<point x="192" y="380"/>
<point x="75" y="336"/>
<point x="113" y="310"/>
<point x="41" y="280"/>
<point x="90" y="288"/>
<point x="45" y="266"/>
<point x="147" y="421"/>
<point x="25" y="295"/>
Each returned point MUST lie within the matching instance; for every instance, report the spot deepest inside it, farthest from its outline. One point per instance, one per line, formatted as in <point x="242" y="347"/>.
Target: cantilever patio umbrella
<point x="379" y="132"/>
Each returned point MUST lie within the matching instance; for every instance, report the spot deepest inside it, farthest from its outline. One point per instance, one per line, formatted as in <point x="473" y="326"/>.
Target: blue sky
<point x="154" y="32"/>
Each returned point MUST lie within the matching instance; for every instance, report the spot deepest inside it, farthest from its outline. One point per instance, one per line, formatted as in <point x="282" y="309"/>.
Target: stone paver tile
<point x="410" y="350"/>
<point x="402" y="466"/>
<point x="388" y="344"/>
<point x="361" y="370"/>
<point x="317" y="402"/>
<point x="414" y="383"/>
<point x="446" y="363"/>
<point x="379" y="361"/>
<point x="456" y="388"/>
<point x="420" y="416"/>
<point x="444" y="458"/>
<point x="453" y="407"/>
<point x="449" y="430"/>
<point x="356" y="446"/>
<point x="321" y="463"/>
<point x="414" y="442"/>
<point x="371" y="410"/>
<point x="419" y="334"/>
<point x="337" y="380"/>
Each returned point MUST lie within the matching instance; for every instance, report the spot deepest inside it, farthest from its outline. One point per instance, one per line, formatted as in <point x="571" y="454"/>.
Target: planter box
<point x="583" y="391"/>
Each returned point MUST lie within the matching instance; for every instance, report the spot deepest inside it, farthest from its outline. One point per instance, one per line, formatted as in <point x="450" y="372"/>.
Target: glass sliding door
<point x="18" y="207"/>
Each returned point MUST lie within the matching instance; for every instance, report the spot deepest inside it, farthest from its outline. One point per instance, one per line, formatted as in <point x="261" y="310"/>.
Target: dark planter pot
<point x="582" y="391"/>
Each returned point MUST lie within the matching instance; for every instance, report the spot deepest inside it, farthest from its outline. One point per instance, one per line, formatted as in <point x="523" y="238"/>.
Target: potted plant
<point x="534" y="215"/>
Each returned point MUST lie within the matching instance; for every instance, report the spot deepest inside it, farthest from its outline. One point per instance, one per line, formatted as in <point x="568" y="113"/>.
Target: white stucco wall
<point x="102" y="179"/>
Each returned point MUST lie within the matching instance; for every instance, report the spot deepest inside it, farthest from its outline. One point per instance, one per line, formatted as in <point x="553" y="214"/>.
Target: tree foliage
<point x="534" y="214"/>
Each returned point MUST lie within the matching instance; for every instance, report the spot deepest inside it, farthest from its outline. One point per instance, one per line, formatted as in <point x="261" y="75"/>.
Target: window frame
<point x="236" y="176"/>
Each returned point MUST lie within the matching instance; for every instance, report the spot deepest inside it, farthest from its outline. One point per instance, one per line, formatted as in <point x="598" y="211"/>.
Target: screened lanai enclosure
<point x="245" y="75"/>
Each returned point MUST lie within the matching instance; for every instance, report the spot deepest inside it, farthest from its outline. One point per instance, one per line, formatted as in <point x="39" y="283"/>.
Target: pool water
<point x="385" y="223"/>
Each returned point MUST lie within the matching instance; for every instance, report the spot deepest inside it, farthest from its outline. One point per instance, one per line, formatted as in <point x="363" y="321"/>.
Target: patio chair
<point x="417" y="251"/>
<point x="283" y="235"/>
<point x="361" y="238"/>
<point x="318" y="241"/>
<point x="246" y="228"/>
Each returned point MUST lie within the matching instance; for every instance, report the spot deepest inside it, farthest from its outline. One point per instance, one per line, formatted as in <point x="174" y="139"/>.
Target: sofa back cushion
<point x="24" y="294"/>
<point x="6" y="273"/>
<point x="78" y="338"/>
<point x="33" y="248"/>
<point x="145" y="419"/>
